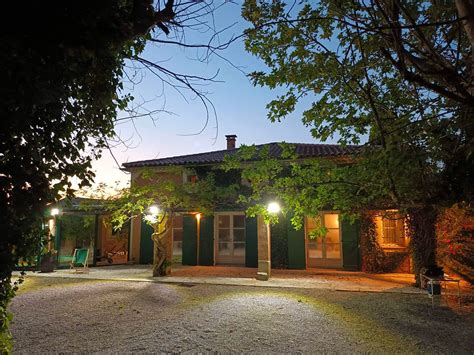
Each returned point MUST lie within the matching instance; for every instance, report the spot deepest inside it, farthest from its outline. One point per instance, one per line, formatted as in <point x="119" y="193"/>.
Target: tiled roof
<point x="303" y="150"/>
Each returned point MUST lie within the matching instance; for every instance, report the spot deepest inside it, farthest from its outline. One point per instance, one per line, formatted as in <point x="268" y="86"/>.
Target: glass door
<point x="324" y="251"/>
<point x="230" y="239"/>
<point x="178" y="239"/>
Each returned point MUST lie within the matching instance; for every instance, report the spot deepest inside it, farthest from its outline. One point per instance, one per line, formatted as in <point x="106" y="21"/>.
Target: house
<point x="228" y="237"/>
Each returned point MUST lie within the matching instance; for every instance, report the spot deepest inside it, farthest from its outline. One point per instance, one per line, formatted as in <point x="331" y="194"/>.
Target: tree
<point x="156" y="196"/>
<point x="397" y="75"/>
<point x="63" y="74"/>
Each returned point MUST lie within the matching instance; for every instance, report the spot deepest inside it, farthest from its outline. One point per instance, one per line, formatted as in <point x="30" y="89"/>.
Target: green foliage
<point x="62" y="66"/>
<point x="335" y="59"/>
<point x="455" y="242"/>
<point x="374" y="258"/>
<point x="390" y="72"/>
<point x="165" y="188"/>
<point x="371" y="252"/>
<point x="305" y="187"/>
<point x="78" y="227"/>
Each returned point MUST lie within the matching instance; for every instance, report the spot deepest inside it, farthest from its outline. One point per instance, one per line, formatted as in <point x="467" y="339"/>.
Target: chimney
<point x="230" y="141"/>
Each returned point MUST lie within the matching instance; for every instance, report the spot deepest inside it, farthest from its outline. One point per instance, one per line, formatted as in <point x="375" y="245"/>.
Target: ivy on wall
<point x="374" y="258"/>
<point x="371" y="252"/>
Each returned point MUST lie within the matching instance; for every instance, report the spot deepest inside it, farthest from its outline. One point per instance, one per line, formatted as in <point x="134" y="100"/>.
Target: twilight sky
<point x="240" y="107"/>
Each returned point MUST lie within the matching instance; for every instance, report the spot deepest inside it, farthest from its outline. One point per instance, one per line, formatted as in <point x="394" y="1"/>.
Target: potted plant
<point x="48" y="260"/>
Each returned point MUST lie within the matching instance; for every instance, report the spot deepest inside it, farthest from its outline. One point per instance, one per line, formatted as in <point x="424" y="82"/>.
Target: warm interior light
<point x="154" y="210"/>
<point x="54" y="211"/>
<point x="273" y="207"/>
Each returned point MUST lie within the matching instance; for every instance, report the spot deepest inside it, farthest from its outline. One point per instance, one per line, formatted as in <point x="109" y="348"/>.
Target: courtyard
<point x="70" y="314"/>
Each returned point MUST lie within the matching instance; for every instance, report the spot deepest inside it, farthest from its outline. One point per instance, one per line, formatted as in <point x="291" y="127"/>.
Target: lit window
<point x="178" y="236"/>
<point x="393" y="230"/>
<point x="328" y="246"/>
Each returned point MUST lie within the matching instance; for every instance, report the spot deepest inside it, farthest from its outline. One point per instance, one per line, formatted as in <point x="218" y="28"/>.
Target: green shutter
<point x="296" y="247"/>
<point x="189" y="240"/>
<point x="251" y="242"/>
<point x="350" y="244"/>
<point x="206" y="241"/>
<point x="146" y="244"/>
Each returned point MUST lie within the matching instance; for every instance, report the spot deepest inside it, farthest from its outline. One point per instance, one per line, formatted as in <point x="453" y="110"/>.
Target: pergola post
<point x="264" y="253"/>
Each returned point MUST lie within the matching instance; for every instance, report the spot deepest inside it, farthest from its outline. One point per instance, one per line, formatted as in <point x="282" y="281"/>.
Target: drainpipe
<point x="130" y="239"/>
<point x="96" y="238"/>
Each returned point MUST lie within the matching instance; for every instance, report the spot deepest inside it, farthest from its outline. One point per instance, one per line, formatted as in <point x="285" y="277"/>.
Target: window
<point x="393" y="230"/>
<point x="190" y="177"/>
<point x="230" y="238"/>
<point x="178" y="236"/>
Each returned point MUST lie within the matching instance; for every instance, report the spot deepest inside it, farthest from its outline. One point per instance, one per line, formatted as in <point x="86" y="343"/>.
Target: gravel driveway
<point x="66" y="315"/>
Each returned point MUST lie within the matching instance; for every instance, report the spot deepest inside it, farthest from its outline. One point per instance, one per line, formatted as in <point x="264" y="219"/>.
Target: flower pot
<point x="48" y="263"/>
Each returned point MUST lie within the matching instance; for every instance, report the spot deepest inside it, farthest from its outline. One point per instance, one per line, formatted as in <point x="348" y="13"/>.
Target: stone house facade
<point x="228" y="237"/>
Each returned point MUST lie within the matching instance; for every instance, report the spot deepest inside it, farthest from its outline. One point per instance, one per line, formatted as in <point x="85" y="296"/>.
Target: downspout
<point x="130" y="238"/>
<point x="96" y="238"/>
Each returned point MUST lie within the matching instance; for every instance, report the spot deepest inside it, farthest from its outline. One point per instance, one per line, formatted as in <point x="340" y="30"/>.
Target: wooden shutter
<point x="189" y="240"/>
<point x="146" y="244"/>
<point x="350" y="244"/>
<point x="296" y="247"/>
<point x="206" y="241"/>
<point x="251" y="242"/>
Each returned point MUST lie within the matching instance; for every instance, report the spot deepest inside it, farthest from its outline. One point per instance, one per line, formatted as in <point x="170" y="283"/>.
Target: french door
<point x="324" y="251"/>
<point x="230" y="238"/>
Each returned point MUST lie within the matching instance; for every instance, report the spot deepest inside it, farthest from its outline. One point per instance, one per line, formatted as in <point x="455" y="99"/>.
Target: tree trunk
<point x="422" y="223"/>
<point x="161" y="244"/>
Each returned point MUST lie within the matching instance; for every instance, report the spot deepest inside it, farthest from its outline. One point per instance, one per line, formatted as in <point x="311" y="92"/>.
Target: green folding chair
<point x="80" y="260"/>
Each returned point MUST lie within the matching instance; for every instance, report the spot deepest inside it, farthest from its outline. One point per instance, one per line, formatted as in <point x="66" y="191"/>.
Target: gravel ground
<point x="66" y="315"/>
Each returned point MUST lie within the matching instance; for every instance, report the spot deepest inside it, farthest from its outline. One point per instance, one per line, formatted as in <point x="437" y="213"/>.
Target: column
<point x="264" y="253"/>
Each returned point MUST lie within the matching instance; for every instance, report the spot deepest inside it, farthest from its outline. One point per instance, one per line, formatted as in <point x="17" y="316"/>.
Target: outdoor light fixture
<point x="152" y="215"/>
<point x="273" y="207"/>
<point x="198" y="216"/>
<point x="54" y="212"/>
<point x="154" y="210"/>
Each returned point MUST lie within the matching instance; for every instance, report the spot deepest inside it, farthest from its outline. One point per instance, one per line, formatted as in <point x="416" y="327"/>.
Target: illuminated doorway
<point x="325" y="250"/>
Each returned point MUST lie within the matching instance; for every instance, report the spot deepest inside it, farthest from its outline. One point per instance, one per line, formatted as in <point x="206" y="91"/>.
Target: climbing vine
<point x="372" y="253"/>
<point x="374" y="258"/>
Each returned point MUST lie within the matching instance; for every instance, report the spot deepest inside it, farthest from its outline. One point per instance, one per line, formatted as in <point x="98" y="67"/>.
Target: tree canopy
<point x="395" y="76"/>
<point x="373" y="72"/>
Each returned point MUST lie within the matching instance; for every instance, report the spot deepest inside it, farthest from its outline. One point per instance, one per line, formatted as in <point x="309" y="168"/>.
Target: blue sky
<point x="240" y="106"/>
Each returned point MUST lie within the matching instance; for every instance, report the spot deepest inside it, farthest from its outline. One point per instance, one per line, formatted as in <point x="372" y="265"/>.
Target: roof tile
<point x="303" y="150"/>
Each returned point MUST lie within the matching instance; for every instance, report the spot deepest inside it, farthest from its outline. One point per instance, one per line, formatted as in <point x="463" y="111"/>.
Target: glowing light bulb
<point x="154" y="210"/>
<point x="273" y="207"/>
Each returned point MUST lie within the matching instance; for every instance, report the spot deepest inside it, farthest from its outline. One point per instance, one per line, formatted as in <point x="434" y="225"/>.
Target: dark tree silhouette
<point x="62" y="85"/>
